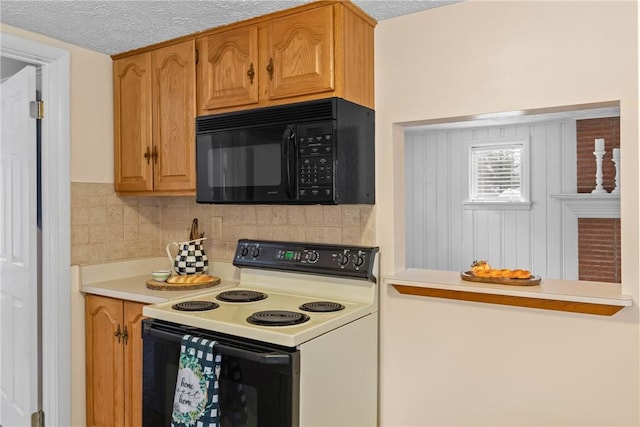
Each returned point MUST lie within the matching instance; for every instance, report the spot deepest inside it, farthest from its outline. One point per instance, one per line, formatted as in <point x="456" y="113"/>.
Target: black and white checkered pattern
<point x="191" y="259"/>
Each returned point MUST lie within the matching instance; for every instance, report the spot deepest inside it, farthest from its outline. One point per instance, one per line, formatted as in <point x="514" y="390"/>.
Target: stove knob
<point x="244" y="251"/>
<point x="343" y="259"/>
<point x="358" y="261"/>
<point x="313" y="257"/>
<point x="256" y="252"/>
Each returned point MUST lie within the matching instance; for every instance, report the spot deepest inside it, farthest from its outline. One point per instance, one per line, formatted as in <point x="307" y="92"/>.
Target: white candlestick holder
<point x="616" y="162"/>
<point x="599" y="189"/>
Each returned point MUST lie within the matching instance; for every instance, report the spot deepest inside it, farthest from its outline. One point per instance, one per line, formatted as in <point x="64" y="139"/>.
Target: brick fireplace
<point x="598" y="238"/>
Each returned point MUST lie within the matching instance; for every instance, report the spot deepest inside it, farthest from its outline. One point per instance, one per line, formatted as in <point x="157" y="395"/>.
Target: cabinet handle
<point x="251" y="73"/>
<point x="154" y="154"/>
<point x="197" y="56"/>
<point x="118" y="334"/>
<point x="125" y="335"/>
<point x="270" y="68"/>
<point x="147" y="155"/>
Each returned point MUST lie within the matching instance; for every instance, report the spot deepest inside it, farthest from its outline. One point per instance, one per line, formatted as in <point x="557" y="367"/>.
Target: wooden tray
<point x="164" y="286"/>
<point x="531" y="281"/>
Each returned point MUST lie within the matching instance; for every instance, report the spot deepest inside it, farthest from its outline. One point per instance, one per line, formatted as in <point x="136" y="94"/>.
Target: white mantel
<point x="587" y="205"/>
<point x="582" y="205"/>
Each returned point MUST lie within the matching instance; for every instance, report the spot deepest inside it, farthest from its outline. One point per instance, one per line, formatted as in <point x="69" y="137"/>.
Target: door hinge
<point x="36" y="110"/>
<point x="37" y="419"/>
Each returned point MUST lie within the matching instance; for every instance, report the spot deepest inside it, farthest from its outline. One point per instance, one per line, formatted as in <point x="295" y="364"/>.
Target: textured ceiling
<point x="120" y="25"/>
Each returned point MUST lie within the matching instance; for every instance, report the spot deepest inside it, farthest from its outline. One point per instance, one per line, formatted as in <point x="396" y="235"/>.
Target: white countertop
<point x="127" y="279"/>
<point x="550" y="289"/>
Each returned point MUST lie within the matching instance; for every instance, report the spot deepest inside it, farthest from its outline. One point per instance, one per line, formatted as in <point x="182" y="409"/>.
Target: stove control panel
<point x="334" y="260"/>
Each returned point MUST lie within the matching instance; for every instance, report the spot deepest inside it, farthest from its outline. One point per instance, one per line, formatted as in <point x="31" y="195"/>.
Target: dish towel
<point x="196" y="400"/>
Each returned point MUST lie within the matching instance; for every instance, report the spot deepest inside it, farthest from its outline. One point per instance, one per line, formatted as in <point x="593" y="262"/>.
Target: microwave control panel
<point x="316" y="162"/>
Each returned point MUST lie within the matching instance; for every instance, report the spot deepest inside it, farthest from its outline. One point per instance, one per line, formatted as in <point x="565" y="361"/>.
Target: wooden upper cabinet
<point x="174" y="110"/>
<point x="228" y="68"/>
<point x="316" y="51"/>
<point x="154" y="116"/>
<point x="132" y="117"/>
<point x="300" y="51"/>
<point x="354" y="52"/>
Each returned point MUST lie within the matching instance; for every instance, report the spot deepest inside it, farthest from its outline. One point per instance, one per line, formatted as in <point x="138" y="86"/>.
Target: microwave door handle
<point x="265" y="358"/>
<point x="289" y="150"/>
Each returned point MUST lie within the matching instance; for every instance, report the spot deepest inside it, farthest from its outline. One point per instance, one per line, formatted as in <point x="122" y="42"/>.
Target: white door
<point x="18" y="252"/>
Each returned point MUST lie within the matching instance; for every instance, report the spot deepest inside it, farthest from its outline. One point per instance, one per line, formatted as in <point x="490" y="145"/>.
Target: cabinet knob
<point x="270" y="68"/>
<point x="251" y="73"/>
<point x="154" y="154"/>
<point x="147" y="155"/>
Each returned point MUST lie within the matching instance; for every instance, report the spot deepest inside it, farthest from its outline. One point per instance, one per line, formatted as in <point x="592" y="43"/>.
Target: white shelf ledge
<point x="587" y="205"/>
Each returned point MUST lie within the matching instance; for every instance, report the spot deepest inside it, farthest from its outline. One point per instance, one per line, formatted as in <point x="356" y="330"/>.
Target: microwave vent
<point x="320" y="110"/>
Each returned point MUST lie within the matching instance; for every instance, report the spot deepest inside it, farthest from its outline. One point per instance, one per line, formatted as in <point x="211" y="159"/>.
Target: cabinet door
<point x="105" y="386"/>
<point x="133" y="364"/>
<point x="301" y="53"/>
<point x="228" y="69"/>
<point x="174" y="110"/>
<point x="132" y="123"/>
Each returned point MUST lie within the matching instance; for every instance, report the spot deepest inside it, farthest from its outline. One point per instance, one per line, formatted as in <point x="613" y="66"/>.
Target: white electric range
<point x="296" y="291"/>
<point x="311" y="307"/>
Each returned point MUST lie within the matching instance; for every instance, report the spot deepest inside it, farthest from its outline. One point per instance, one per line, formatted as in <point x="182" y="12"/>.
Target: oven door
<point x="247" y="165"/>
<point x="259" y="384"/>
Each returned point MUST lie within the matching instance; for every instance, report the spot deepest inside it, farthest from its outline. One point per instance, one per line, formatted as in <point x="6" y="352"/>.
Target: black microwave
<point x="313" y="152"/>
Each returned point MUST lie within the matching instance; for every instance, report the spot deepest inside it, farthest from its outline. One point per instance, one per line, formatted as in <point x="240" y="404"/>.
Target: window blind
<point x="496" y="173"/>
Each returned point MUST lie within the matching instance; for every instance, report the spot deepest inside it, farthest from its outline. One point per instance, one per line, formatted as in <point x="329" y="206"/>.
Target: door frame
<point x="54" y="64"/>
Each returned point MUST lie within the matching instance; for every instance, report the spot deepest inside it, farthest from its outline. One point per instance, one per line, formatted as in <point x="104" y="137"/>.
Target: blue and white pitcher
<point x="190" y="259"/>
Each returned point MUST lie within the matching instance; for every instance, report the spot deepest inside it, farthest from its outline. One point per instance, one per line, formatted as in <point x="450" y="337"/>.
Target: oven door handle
<point x="265" y="358"/>
<point x="272" y="358"/>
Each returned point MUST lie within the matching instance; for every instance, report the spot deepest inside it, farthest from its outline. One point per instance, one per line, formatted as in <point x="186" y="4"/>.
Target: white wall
<point x="454" y="363"/>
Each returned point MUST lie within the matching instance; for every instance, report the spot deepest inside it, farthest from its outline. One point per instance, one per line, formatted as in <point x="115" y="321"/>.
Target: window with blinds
<point x="496" y="173"/>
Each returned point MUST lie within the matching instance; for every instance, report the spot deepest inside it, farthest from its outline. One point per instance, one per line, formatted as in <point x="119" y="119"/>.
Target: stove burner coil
<point x="321" y="306"/>
<point x="241" y="296"/>
<point x="195" y="306"/>
<point x="277" y="318"/>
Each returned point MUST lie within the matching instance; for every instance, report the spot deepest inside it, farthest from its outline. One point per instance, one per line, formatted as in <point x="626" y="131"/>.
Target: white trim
<point x="570" y="266"/>
<point x="587" y="205"/>
<point x="581" y="205"/>
<point x="56" y="276"/>
<point x="496" y="205"/>
<point x="525" y="179"/>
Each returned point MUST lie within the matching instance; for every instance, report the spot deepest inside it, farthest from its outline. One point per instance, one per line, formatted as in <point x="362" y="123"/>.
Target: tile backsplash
<point x="105" y="227"/>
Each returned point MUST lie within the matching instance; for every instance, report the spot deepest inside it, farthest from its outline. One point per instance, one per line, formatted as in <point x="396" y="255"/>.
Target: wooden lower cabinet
<point x="113" y="362"/>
